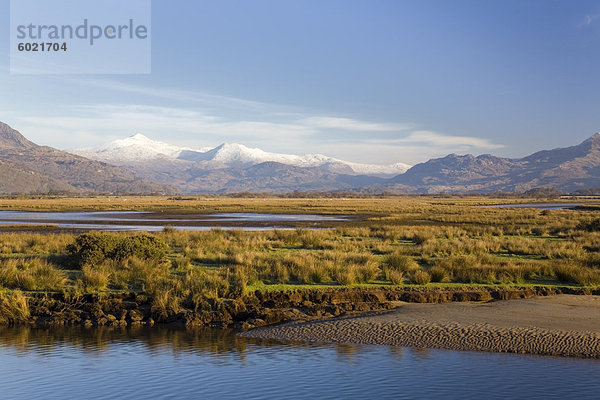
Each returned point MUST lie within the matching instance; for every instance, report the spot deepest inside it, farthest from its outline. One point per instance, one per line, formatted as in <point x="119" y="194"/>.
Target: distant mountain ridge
<point x="138" y="149"/>
<point x="140" y="165"/>
<point x="570" y="169"/>
<point x="26" y="167"/>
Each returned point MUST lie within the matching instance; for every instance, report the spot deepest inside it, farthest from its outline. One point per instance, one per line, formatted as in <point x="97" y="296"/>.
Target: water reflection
<point x="100" y="340"/>
<point x="166" y="363"/>
<point x="155" y="221"/>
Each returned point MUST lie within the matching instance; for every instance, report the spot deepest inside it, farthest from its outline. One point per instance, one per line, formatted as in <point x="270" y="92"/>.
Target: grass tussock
<point x="96" y="278"/>
<point x="14" y="307"/>
<point x="420" y="277"/>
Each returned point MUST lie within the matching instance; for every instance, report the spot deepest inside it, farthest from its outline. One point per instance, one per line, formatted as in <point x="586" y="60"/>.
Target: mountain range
<point x="233" y="167"/>
<point x="138" y="149"/>
<point x="140" y="165"/>
<point x="568" y="169"/>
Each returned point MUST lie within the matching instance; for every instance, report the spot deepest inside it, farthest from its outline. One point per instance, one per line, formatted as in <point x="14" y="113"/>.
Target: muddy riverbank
<point x="258" y="309"/>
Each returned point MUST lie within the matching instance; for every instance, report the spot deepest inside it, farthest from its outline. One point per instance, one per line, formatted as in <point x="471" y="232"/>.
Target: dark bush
<point x="143" y="246"/>
<point x="93" y="248"/>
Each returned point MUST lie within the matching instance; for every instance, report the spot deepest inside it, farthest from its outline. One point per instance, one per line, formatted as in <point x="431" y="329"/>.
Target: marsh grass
<point x="395" y="277"/>
<point x="570" y="273"/>
<point x="438" y="275"/>
<point x="400" y="262"/>
<point x="346" y="275"/>
<point x="14" y="307"/>
<point x="165" y="303"/>
<point x="420" y="239"/>
<point x="420" y="277"/>
<point x="31" y="274"/>
<point x="95" y="278"/>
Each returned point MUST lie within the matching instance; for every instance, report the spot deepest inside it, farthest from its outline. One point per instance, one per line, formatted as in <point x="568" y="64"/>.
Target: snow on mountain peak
<point x="139" y="148"/>
<point x="136" y="148"/>
<point x="138" y="138"/>
<point x="238" y="155"/>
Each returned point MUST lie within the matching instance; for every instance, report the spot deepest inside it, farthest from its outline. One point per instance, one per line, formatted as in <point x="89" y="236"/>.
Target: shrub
<point x="93" y="248"/>
<point x="143" y="246"/>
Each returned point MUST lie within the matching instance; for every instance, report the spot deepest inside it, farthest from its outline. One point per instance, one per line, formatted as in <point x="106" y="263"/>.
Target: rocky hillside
<point x="569" y="169"/>
<point x="28" y="168"/>
<point x="270" y="177"/>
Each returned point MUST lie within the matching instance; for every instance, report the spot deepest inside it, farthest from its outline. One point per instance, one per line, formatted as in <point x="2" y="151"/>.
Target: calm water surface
<point x="162" y="363"/>
<point x="150" y="221"/>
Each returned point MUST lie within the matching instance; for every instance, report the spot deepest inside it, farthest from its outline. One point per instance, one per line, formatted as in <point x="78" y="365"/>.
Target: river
<point x="169" y="363"/>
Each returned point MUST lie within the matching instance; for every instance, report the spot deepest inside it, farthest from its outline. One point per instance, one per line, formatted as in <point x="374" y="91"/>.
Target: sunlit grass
<point x="412" y="241"/>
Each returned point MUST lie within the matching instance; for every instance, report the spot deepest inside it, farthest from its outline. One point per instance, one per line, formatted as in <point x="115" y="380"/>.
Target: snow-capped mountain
<point x="136" y="148"/>
<point x="140" y="149"/>
<point x="238" y="155"/>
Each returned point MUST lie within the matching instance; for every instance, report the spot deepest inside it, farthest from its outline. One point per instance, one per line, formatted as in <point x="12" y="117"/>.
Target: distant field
<point x="208" y="204"/>
<point x="413" y="240"/>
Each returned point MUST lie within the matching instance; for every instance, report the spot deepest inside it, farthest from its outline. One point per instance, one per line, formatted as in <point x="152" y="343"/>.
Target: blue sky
<point x="369" y="81"/>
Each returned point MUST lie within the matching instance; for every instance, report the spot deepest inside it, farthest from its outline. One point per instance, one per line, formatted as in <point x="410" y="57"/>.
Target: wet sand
<point x="564" y="325"/>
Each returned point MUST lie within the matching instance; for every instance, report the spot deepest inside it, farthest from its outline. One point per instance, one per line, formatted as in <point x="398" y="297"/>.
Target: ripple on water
<point x="162" y="363"/>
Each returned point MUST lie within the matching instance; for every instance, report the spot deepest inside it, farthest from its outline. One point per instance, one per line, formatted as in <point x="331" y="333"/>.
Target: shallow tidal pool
<point x="153" y="221"/>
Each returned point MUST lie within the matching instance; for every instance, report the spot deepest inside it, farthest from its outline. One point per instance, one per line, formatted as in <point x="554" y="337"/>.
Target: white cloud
<point x="445" y="141"/>
<point x="589" y="19"/>
<point x="191" y="98"/>
<point x="352" y="124"/>
<point x="89" y="126"/>
<point x="416" y="147"/>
